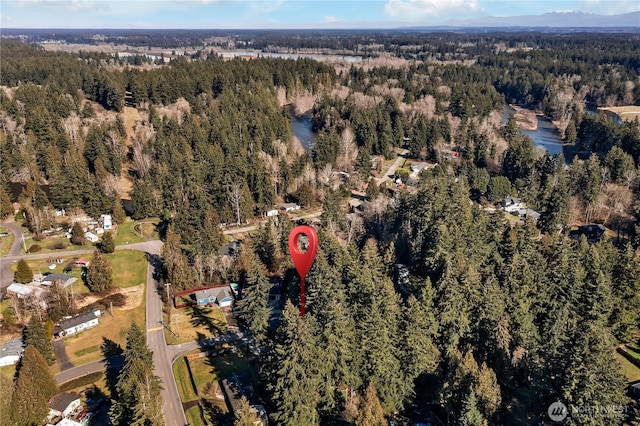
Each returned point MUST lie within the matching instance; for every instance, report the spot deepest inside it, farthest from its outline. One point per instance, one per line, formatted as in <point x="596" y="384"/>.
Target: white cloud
<point x="332" y="19"/>
<point x="412" y="10"/>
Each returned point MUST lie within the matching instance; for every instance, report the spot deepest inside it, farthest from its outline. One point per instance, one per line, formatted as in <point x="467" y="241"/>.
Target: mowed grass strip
<point x="5" y="242"/>
<point x="193" y="416"/>
<point x="183" y="381"/>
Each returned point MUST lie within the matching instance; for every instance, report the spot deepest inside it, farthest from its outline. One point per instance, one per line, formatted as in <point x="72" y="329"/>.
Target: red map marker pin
<point x="303" y="260"/>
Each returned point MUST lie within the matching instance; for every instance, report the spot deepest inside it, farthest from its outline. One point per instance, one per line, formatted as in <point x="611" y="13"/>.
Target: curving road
<point x="6" y="275"/>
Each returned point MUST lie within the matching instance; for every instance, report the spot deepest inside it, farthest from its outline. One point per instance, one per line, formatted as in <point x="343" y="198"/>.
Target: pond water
<point x="545" y="136"/>
<point x="303" y="129"/>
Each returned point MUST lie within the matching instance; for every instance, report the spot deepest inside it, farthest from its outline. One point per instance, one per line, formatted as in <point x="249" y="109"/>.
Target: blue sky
<point x="211" y="14"/>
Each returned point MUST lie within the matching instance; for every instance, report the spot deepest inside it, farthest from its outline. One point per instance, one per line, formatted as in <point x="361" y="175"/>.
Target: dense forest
<point x="497" y="319"/>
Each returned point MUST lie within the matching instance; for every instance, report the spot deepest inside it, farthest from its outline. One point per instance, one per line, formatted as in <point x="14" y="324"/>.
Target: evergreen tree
<point x="77" y="234"/>
<point x="6" y="207"/>
<point x="292" y="381"/>
<point x="99" y="276"/>
<point x="139" y="401"/>
<point x="23" y="273"/>
<point x="420" y="328"/>
<point x="243" y="416"/>
<point x="107" y="245"/>
<point x="34" y="387"/>
<point x="6" y="395"/>
<point x="36" y="336"/>
<point x="471" y="415"/>
<point x="118" y="213"/>
<point x="370" y="412"/>
<point x="253" y="307"/>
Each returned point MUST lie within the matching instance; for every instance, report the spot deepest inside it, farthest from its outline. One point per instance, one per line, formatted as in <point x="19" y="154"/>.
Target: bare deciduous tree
<point x="235" y="197"/>
<point x="347" y="151"/>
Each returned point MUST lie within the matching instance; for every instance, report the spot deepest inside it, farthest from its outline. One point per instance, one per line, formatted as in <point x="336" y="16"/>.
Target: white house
<point x="271" y="213"/>
<point x="63" y="404"/>
<point x="91" y="237"/>
<point x="107" y="222"/>
<point x="76" y="324"/>
<point x="290" y="207"/>
<point x="512" y="205"/>
<point x="11" y="352"/>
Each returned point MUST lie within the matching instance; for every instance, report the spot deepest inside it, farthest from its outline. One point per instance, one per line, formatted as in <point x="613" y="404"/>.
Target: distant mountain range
<point x="553" y="19"/>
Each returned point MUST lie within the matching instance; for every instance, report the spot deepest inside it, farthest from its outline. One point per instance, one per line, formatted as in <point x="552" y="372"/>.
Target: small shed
<point x="271" y="213"/>
<point x="107" y="222"/>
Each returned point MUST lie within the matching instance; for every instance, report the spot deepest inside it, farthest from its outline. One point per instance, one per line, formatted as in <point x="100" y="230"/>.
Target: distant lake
<point x="545" y="136"/>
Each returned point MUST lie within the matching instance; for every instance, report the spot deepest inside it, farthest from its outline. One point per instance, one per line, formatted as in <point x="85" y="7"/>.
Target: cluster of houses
<point x="93" y="228"/>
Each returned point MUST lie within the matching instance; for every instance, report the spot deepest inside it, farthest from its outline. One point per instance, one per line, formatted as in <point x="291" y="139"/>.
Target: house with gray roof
<point x="11" y="352"/>
<point x="76" y="324"/>
<point x="222" y="295"/>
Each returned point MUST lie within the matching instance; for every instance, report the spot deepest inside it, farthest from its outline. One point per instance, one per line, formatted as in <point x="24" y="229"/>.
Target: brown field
<point x="627" y="113"/>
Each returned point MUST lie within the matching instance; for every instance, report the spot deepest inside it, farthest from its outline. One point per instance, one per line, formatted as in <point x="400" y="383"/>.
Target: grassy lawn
<point x="81" y="347"/>
<point x="8" y="371"/>
<point x="194" y="322"/>
<point x="48" y="243"/>
<point x="5" y="242"/>
<point x="136" y="231"/>
<point x="129" y="268"/>
<point x="222" y="363"/>
<point x="634" y="351"/>
<point x="631" y="372"/>
<point x="185" y="389"/>
<point x="193" y="416"/>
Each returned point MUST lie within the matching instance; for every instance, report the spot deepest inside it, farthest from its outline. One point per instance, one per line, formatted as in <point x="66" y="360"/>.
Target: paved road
<point x="392" y="170"/>
<point x="171" y="405"/>
<point x="61" y="355"/>
<point x="92" y="367"/>
<point x="6" y="276"/>
<point x="254" y="227"/>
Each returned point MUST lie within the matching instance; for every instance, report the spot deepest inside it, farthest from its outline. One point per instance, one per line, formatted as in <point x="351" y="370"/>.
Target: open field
<point x="193" y="323"/>
<point x="129" y="268"/>
<point x="81" y="348"/>
<point x="5" y="242"/>
<point x="135" y="231"/>
<point x="626" y="113"/>
<point x="49" y="243"/>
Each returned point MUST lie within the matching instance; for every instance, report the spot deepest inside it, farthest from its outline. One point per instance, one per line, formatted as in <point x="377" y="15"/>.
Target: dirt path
<point x="131" y="116"/>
